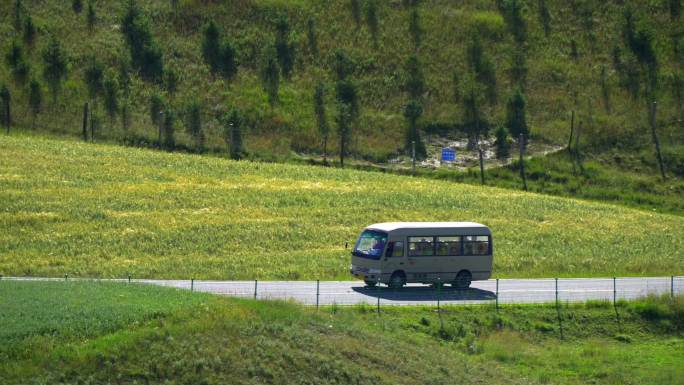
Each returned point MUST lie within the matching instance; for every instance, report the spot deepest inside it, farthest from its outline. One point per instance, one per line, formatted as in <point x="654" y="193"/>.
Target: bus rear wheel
<point x="370" y="283"/>
<point x="463" y="280"/>
<point x="398" y="280"/>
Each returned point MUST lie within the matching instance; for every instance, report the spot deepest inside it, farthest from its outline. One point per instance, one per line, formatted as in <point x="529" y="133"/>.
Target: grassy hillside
<point x="102" y="210"/>
<point x="563" y="69"/>
<point x="104" y="332"/>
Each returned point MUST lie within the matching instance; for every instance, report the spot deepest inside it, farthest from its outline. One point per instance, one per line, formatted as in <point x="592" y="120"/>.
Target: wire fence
<point x="493" y="291"/>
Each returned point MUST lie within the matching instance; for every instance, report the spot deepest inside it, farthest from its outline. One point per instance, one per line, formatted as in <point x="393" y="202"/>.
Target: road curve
<point x="510" y="291"/>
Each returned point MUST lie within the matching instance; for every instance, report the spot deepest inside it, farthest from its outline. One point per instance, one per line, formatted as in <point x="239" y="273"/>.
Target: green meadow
<point x="107" y="211"/>
<point x="90" y="333"/>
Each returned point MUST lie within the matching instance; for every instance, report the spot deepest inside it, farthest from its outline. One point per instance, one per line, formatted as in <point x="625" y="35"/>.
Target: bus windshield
<point x="371" y="243"/>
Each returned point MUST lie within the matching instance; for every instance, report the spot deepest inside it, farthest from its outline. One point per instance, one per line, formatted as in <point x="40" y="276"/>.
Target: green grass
<point x="629" y="178"/>
<point x="104" y="332"/>
<point x="97" y="210"/>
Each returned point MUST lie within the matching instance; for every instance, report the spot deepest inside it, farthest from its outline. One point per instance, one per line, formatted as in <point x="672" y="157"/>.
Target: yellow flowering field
<point x="103" y="210"/>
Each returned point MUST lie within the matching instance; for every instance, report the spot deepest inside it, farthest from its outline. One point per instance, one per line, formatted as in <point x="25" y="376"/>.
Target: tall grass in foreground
<point x="97" y="332"/>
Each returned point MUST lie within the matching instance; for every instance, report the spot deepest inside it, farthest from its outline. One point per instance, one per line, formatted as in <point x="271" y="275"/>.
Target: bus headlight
<point x="374" y="271"/>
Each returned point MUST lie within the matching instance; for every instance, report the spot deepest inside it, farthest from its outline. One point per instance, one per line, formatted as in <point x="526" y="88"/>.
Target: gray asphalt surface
<point x="354" y="292"/>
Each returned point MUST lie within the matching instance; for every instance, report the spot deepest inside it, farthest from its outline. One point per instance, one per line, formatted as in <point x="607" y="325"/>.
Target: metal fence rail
<point x="501" y="291"/>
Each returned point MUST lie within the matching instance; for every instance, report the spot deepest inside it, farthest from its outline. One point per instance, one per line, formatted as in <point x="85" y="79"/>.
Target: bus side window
<point x="398" y="249"/>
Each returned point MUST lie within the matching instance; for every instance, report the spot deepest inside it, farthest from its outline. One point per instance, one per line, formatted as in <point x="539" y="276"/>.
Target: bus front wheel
<point x="463" y="280"/>
<point x="397" y="280"/>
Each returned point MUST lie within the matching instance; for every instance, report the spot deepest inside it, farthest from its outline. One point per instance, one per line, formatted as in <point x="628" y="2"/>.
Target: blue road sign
<point x="448" y="155"/>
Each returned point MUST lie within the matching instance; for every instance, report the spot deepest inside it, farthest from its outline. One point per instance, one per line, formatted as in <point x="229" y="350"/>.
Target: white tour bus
<point x="397" y="253"/>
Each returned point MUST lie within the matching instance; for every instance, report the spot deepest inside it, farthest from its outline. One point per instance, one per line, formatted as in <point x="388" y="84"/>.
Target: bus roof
<point x="390" y="226"/>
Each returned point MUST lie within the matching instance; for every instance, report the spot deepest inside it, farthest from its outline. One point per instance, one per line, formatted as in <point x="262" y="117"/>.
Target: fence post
<point x="556" y="292"/>
<point x="318" y="292"/>
<point x="129" y="278"/>
<point x="617" y="314"/>
<point x="66" y="277"/>
<point x="497" y="294"/>
<point x="413" y="157"/>
<point x="560" y="319"/>
<point x="256" y="283"/>
<point x="439" y="294"/>
<point x="192" y="284"/>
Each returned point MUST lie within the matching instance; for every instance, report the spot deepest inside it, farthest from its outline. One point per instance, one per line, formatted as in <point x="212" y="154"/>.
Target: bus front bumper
<point x="364" y="273"/>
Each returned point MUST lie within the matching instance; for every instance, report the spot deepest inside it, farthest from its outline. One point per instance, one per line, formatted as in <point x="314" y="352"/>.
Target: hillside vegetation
<point x="104" y="332"/>
<point x="570" y="55"/>
<point x="101" y="210"/>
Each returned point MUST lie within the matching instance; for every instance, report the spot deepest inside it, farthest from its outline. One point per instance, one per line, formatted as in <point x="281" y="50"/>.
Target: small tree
<point x="54" y="67"/>
<point x="169" y="121"/>
<point x="545" y="16"/>
<point x="343" y="129"/>
<point x="516" y="120"/>
<point x="171" y="80"/>
<point x="312" y="37"/>
<point x="412" y="112"/>
<point x="344" y="65"/>
<point x="356" y="12"/>
<point x="514" y="15"/>
<point x="472" y="110"/>
<point x="94" y="78"/>
<point x="675" y="9"/>
<point x="270" y="75"/>
<point x="605" y="88"/>
<point x="145" y="54"/>
<point x="233" y="135"/>
<point x="5" y="101"/>
<point x="211" y="49"/>
<point x="91" y="17"/>
<point x="193" y="124"/>
<point x="18" y="14"/>
<point x="372" y="20"/>
<point x="321" y="120"/>
<point x="29" y="31"/>
<point x="111" y="96"/>
<point x="17" y="63"/>
<point x="415" y="29"/>
<point x="284" y="50"/>
<point x="519" y="68"/>
<point x="35" y="99"/>
<point x="482" y="67"/>
<point x="77" y="5"/>
<point x="502" y="143"/>
<point x="415" y="81"/>
<point x="124" y="79"/>
<point x="228" y="64"/>
<point x="156" y="108"/>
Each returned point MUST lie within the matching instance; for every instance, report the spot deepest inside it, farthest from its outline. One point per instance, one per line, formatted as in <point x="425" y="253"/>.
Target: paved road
<point x="510" y="290"/>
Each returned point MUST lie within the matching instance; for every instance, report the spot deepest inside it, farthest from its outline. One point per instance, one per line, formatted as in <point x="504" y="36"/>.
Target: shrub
<point x="502" y="143"/>
<point x="284" y="50"/>
<point x="312" y="37"/>
<point x="488" y="24"/>
<point x="145" y="54"/>
<point x="54" y="66"/>
<point x="516" y="120"/>
<point x="211" y="46"/>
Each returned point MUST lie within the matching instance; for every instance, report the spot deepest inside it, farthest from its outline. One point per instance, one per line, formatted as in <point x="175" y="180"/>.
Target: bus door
<point x="394" y="259"/>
